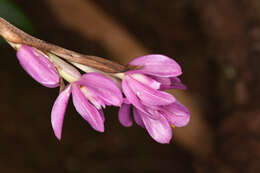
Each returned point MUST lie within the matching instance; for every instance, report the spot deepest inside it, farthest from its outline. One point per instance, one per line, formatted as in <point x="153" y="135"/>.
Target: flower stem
<point x="16" y="36"/>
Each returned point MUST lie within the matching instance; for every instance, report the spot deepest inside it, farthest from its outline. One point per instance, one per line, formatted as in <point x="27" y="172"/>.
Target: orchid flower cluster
<point x="139" y="92"/>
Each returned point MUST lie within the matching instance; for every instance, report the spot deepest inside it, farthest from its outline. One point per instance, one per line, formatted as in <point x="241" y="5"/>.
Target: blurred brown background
<point x="216" y="42"/>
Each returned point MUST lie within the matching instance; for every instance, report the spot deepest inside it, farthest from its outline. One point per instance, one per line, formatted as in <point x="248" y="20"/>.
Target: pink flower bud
<point x="38" y="66"/>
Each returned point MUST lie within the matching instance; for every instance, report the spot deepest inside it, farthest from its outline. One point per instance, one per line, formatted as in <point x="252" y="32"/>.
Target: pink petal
<point x="160" y="130"/>
<point x="38" y="66"/>
<point x="137" y="118"/>
<point x="149" y="96"/>
<point x="157" y="65"/>
<point x="102" y="115"/>
<point x="104" y="87"/>
<point x="176" y="114"/>
<point x="126" y="101"/>
<point x="131" y="97"/>
<point x="87" y="110"/>
<point x="170" y="83"/>
<point x="146" y="80"/>
<point x="58" y="111"/>
<point x="176" y="83"/>
<point x="162" y="80"/>
<point x="124" y="115"/>
<point x="92" y="96"/>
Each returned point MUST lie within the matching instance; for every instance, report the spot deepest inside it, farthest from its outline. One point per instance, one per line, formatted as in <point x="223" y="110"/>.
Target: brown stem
<point x="15" y="35"/>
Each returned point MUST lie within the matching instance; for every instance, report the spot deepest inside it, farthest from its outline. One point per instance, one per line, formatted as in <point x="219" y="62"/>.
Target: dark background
<point x="217" y="44"/>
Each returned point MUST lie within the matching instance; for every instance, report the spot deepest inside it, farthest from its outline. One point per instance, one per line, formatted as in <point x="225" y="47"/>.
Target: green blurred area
<point x="12" y="13"/>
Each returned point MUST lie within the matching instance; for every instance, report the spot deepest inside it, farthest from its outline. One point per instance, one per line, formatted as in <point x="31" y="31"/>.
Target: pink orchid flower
<point x="153" y="108"/>
<point x="89" y="94"/>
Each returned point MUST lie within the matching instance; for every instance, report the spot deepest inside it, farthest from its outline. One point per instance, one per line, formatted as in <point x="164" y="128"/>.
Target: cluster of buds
<point x="137" y="88"/>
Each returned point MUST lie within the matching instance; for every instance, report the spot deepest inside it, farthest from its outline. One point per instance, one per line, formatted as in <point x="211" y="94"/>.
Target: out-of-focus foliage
<point x="12" y="13"/>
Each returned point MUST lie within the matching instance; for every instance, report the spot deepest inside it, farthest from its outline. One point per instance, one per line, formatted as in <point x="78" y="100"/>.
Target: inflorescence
<point x="137" y="88"/>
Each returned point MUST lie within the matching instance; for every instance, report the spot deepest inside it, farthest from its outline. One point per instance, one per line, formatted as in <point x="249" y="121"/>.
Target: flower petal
<point x="160" y="130"/>
<point x="102" y="115"/>
<point x="146" y="80"/>
<point x="87" y="110"/>
<point x="93" y="97"/>
<point x="124" y="115"/>
<point x="131" y="97"/>
<point x="137" y="118"/>
<point x="149" y="96"/>
<point x="176" y="114"/>
<point x="170" y="83"/>
<point x="38" y="66"/>
<point x="176" y="83"/>
<point x="104" y="87"/>
<point x="58" y="111"/>
<point x="157" y="65"/>
<point x="163" y="80"/>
